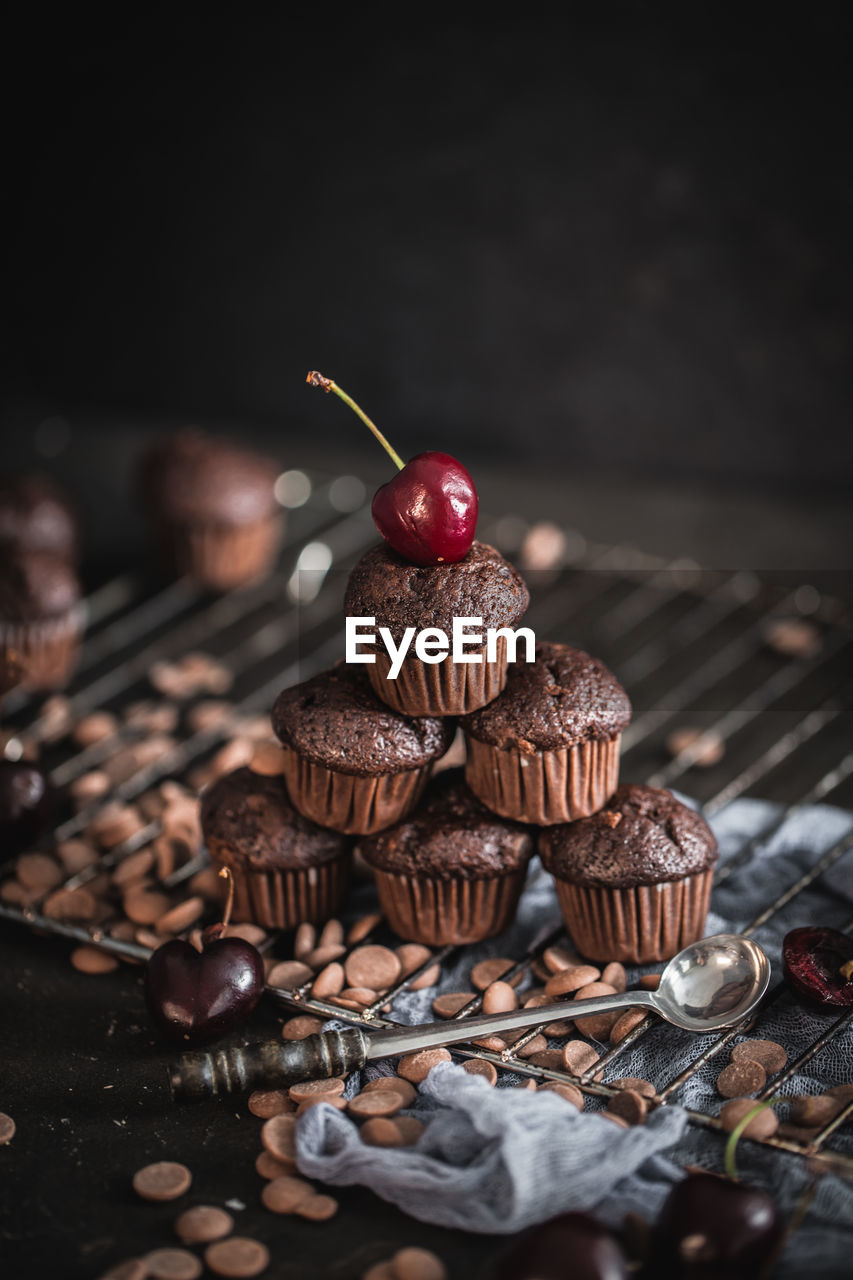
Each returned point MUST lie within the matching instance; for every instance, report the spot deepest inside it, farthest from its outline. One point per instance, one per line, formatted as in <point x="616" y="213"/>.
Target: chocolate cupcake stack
<point x="632" y="866"/>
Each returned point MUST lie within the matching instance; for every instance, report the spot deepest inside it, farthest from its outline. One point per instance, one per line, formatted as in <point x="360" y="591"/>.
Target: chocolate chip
<point x="770" y="1054"/>
<point x="7" y="1129"/>
<point x="203" y="1223"/>
<point x="649" y="981"/>
<point x="571" y="979"/>
<point x="317" y="1208"/>
<point x="417" y="1066"/>
<point x="304" y="940"/>
<point x="614" y="974"/>
<point x="290" y="974"/>
<point x="706" y="748"/>
<point x="741" y="1078"/>
<point x="578" y="1056"/>
<point x="93" y="960"/>
<point x="133" y="868"/>
<point x="266" y="1103"/>
<point x="145" y="907"/>
<point x="409" y="1128"/>
<point x="75" y="855"/>
<point x="329" y="981"/>
<point x="282" y="1195"/>
<point x="379" y="1102"/>
<point x="95" y="727"/>
<point x="172" y="1264"/>
<point x="321" y="956"/>
<point x="279" y="1137"/>
<point x="629" y="1105"/>
<point x="181" y="917"/>
<point x="362" y="927"/>
<point x="556" y="1030"/>
<point x="557" y="959"/>
<point x="163" y="1180"/>
<point x="381" y="1132"/>
<point x="548" y="1059"/>
<point x="316" y="1088"/>
<point x="626" y="1023"/>
<point x="634" y="1083"/>
<point x="815" y="1110"/>
<point x="479" y="1067"/>
<point x="568" y="1092"/>
<point x="793" y="637"/>
<point x="449" y="1003"/>
<point x="499" y="997"/>
<point x="413" y="1263"/>
<point x="300" y="1027"/>
<point x="237" y="1258"/>
<point x="396" y="1084"/>
<point x="492" y="970"/>
<point x="38" y="871"/>
<point x="267" y="1166"/>
<point x="335" y="1100"/>
<point x="249" y="932"/>
<point x="428" y="978"/>
<point x="763" y="1125"/>
<point x="372" y="966"/>
<point x="267" y="759"/>
<point x="537" y="1045"/>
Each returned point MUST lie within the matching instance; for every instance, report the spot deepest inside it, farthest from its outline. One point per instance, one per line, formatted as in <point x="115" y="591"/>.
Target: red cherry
<point x="428" y="512"/>
<point x="199" y="995"/>
<point x="818" y="964"/>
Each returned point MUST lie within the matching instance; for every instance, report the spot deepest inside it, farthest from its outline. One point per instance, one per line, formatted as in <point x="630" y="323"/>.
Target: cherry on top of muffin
<point x="35" y="515"/>
<point x="428" y="512"/>
<point x="337" y="721"/>
<point x="252" y="814"/>
<point x="643" y="835"/>
<point x="192" y="476"/>
<point x="385" y="586"/>
<point x="36" y="586"/>
<point x="564" y="697"/>
<point x="450" y="835"/>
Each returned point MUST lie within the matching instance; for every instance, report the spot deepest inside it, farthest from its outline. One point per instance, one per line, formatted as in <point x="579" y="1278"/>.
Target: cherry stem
<point x="317" y="380"/>
<point x="225" y="872"/>
<point x="735" y="1136"/>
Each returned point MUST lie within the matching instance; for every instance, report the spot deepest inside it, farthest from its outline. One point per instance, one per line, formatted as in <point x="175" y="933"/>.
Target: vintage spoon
<point x="713" y="983"/>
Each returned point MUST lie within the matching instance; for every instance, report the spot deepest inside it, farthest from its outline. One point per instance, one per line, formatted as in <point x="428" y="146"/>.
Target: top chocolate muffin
<point x="399" y="594"/>
<point x="562" y="698"/>
<point x="335" y="720"/>
<point x="195" y="478"/>
<point x="642" y="836"/>
<point x="36" y="516"/>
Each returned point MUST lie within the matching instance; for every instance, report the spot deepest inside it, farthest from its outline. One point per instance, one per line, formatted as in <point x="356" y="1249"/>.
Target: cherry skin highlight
<point x="710" y="1228"/>
<point x="26" y="805"/>
<point x="198" y="995"/>
<point x="818" y="964"/>
<point x="428" y="512"/>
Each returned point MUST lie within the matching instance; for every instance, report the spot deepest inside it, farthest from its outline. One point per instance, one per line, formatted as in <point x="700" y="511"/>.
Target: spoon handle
<point x="430" y="1035"/>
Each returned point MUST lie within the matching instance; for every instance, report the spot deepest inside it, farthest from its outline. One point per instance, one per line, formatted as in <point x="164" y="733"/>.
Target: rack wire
<point x="689" y="643"/>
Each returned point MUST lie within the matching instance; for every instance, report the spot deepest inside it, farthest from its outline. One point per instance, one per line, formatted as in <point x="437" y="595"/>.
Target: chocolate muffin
<point x="399" y="594"/>
<point x="633" y="880"/>
<point x="213" y="504"/>
<point x="547" y="749"/>
<point x="351" y="763"/>
<point x="36" y="516"/>
<point x="452" y="872"/>
<point x="285" y="868"/>
<point x="41" y="619"/>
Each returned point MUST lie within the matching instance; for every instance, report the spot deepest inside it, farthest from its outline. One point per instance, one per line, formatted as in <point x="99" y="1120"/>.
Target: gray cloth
<point x="497" y="1160"/>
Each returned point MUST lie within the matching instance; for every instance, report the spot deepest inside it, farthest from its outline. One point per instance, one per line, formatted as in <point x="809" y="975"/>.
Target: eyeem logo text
<point x="433" y="645"/>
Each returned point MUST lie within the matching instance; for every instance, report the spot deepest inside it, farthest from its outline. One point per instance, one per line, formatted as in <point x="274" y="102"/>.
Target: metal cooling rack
<point x="689" y="644"/>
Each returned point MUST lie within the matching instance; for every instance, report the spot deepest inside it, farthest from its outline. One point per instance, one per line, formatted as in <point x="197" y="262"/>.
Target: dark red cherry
<point x="818" y="964"/>
<point x="26" y="805"/>
<point x="712" y="1228"/>
<point x="428" y="511"/>
<point x="573" y="1246"/>
<point x="199" y="995"/>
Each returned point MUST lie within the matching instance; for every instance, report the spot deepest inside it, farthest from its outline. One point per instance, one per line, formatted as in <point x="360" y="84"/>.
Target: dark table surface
<point x="81" y="1072"/>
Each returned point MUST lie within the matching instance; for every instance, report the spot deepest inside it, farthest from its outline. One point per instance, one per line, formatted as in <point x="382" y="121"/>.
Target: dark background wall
<point x="617" y="239"/>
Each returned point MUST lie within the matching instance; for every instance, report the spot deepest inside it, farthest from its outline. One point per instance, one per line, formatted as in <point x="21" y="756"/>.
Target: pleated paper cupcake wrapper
<point x="349" y="803"/>
<point x="548" y="786"/>
<point x="44" y="650"/>
<point x="282" y="899"/>
<point x="641" y="924"/>
<point x="445" y="688"/>
<point x="221" y="556"/>
<point x="440" y="912"/>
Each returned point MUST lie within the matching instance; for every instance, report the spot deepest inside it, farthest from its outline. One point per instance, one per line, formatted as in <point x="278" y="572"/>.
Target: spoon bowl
<point x="712" y="983"/>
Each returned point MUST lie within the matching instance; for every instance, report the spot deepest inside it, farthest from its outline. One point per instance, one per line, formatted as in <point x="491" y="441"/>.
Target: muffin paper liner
<point x="282" y="898"/>
<point x="438" y="912"/>
<point x="640" y="924"/>
<point x="439" y="689"/>
<point x="548" y="786"/>
<point x="347" y="802"/>
<point x="44" y="649"/>
<point x="221" y="556"/>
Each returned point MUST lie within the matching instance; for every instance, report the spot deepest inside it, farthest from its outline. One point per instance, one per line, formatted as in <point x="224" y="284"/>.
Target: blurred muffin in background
<point x="41" y="619"/>
<point x="36" y="516"/>
<point x="212" y="504"/>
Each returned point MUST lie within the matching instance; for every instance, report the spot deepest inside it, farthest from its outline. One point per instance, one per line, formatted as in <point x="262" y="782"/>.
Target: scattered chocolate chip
<point x="741" y="1078"/>
<point x="578" y="1056"/>
<point x="237" y="1258"/>
<point x="614" y="974"/>
<point x="492" y="970"/>
<point x="181" y="917"/>
<point x="793" y="637"/>
<point x="93" y="728"/>
<point x="409" y="1128"/>
<point x="372" y="966"/>
<point x="7" y="1128"/>
<point x="556" y="959"/>
<point x="71" y="905"/>
<point x="649" y="982"/>
<point x="283" y="1194"/>
<point x="267" y="759"/>
<point x="417" y="1066"/>
<point x="93" y="960"/>
<point x="706" y="748"/>
<point x="290" y="974"/>
<point x="573" y="978"/>
<point x="301" y="1026"/>
<point x="428" y="978"/>
<point x="763" y="1125"/>
<point x="279" y="1137"/>
<point x="362" y="927"/>
<point x="317" y="1208"/>
<point x="266" y="1103"/>
<point x="634" y="1083"/>
<point x="378" y="1102"/>
<point x="38" y="871"/>
<point x="267" y="1166"/>
<point x="815" y="1110"/>
<point x="479" y="1067"/>
<point x="770" y="1054"/>
<point x="203" y="1223"/>
<point x="626" y="1023"/>
<point x="316" y="1088"/>
<point x="629" y="1105"/>
<point x="396" y="1084"/>
<point x="335" y="1100"/>
<point x="172" y="1264"/>
<point x="549" y="1060"/>
<point x="568" y="1092"/>
<point x="413" y="1263"/>
<point x="499" y="997"/>
<point x="538" y="1044"/>
<point x="163" y="1180"/>
<point x="448" y="1004"/>
<point x="381" y="1132"/>
<point x="329" y="981"/>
